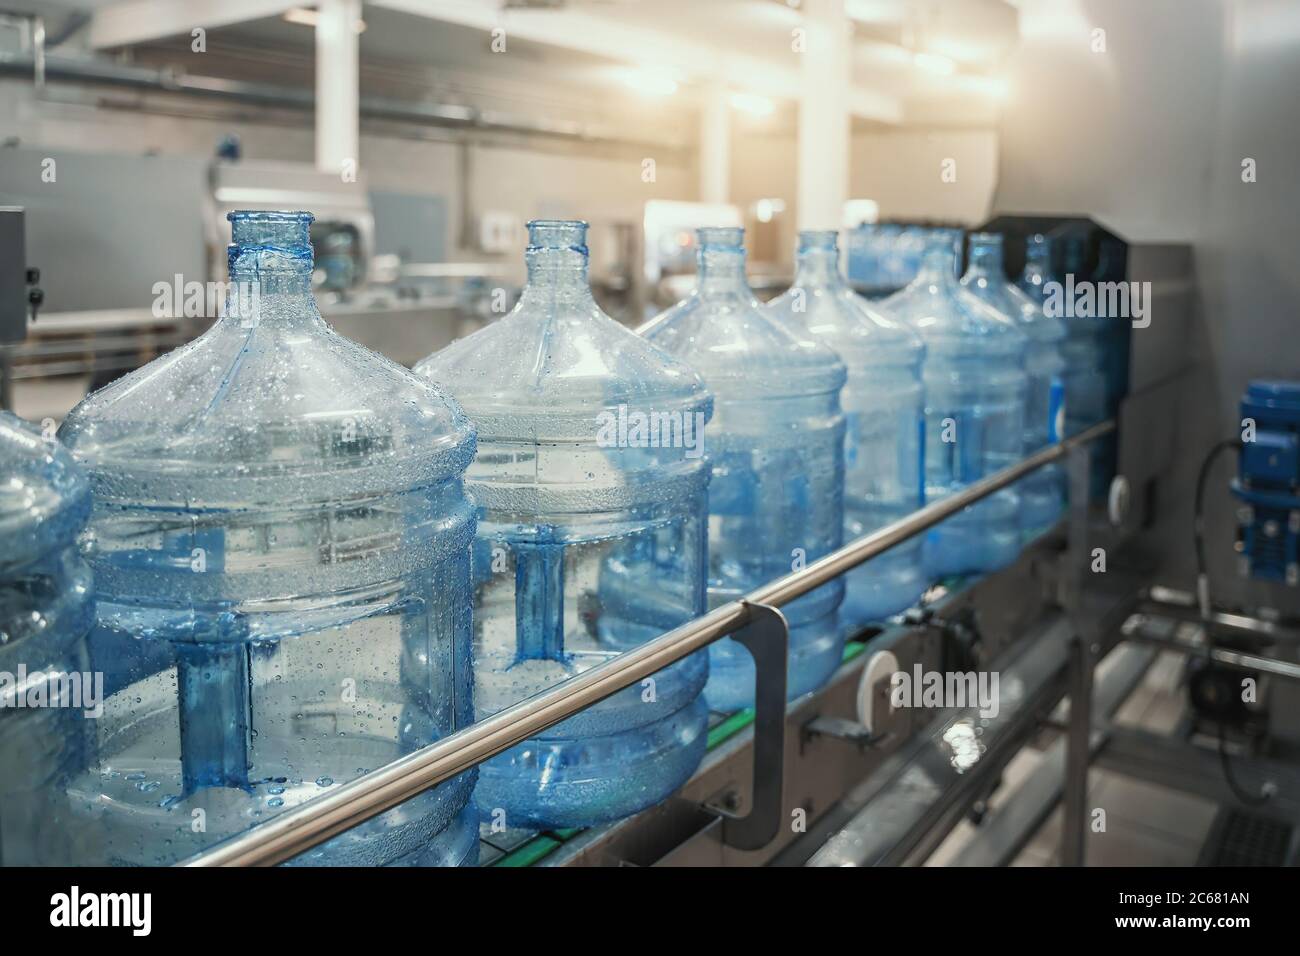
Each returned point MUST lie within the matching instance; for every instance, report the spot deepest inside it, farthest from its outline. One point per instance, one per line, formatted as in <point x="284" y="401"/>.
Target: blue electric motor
<point x="1268" y="482"/>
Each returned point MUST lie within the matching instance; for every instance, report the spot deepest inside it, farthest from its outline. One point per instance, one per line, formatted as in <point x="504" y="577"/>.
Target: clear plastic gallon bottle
<point x="1084" y="349"/>
<point x="777" y="450"/>
<point x="48" y="697"/>
<point x="592" y="488"/>
<point x="1042" y="494"/>
<point x="975" y="392"/>
<point x="884" y="414"/>
<point x="281" y="548"/>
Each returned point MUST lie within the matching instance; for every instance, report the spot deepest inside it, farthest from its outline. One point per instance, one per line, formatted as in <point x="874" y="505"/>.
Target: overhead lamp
<point x="933" y="63"/>
<point x="995" y="86"/>
<point x="650" y="83"/>
<point x="765" y="210"/>
<point x="753" y="104"/>
<point x="307" y="17"/>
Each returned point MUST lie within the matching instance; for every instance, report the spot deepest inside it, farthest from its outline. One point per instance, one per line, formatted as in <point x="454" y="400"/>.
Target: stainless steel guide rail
<point x="314" y="822"/>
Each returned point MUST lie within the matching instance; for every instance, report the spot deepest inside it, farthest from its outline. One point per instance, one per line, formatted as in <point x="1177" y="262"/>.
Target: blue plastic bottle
<point x="1084" y="349"/>
<point x="592" y="488"/>
<point x="975" y="392"/>
<point x="777" y="451"/>
<point x="48" y="696"/>
<point x="281" y="548"/>
<point x="884" y="413"/>
<point x="1042" y="494"/>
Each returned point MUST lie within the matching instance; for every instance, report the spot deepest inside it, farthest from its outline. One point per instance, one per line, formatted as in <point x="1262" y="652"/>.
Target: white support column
<point x="824" y="115"/>
<point x="715" y="145"/>
<point x="337" y="86"/>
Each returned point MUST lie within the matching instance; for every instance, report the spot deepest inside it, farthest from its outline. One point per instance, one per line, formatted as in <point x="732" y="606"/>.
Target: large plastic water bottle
<point x="592" y="487"/>
<point x="1042" y="494"/>
<point x="48" y="696"/>
<point x="975" y="391"/>
<point x="777" y="450"/>
<point x="884" y="414"/>
<point x="1084" y="349"/>
<point x="281" y="548"/>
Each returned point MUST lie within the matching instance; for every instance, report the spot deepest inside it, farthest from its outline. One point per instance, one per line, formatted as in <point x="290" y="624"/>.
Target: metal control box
<point x="1268" y="482"/>
<point x="13" y="276"/>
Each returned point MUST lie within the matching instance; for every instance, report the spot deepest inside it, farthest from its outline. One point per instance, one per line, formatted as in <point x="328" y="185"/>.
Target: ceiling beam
<point x="140" y="21"/>
<point x="605" y="37"/>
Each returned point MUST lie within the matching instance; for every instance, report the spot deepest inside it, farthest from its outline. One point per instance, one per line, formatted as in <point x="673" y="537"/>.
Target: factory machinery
<point x="382" y="278"/>
<point x="845" y="776"/>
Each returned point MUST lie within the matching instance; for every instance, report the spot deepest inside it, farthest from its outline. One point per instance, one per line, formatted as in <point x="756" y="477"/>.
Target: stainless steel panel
<point x="411" y="226"/>
<point x="105" y="228"/>
<point x="13" y="276"/>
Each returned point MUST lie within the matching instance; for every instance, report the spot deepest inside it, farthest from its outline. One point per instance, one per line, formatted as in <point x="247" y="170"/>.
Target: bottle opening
<point x="985" y="252"/>
<point x="570" y="234"/>
<point x="721" y="237"/>
<point x="814" y="240"/>
<point x="287" y="231"/>
<point x="266" y="243"/>
<point x="942" y="255"/>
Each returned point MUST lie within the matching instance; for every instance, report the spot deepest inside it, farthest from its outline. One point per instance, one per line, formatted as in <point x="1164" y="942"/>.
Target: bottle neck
<point x="270" y="298"/>
<point x="938" y="265"/>
<point x="555" y="273"/>
<point x="985" y="260"/>
<point x="557" y="262"/>
<point x="557" y="269"/>
<point x="273" y="283"/>
<point x="818" y="265"/>
<point x="721" y="271"/>
<point x="1036" y="262"/>
<point x="271" y="266"/>
<point x="985" y="269"/>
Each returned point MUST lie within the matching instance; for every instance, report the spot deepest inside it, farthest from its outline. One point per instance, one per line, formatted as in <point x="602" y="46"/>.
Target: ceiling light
<point x="307" y="17"/>
<point x="934" y="64"/>
<point x="995" y="86"/>
<point x="651" y="83"/>
<point x="753" y="104"/>
<point x="767" y="209"/>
